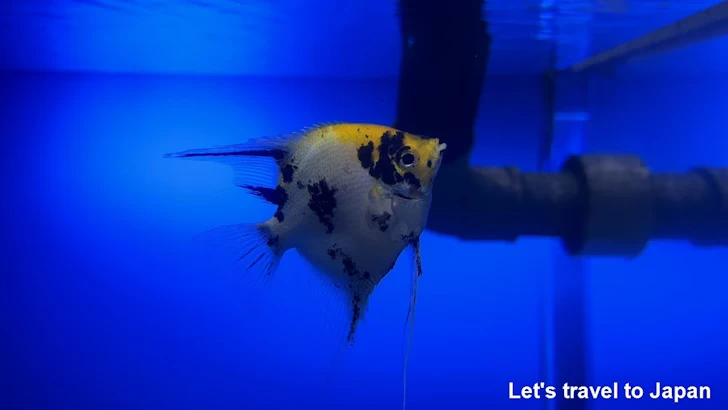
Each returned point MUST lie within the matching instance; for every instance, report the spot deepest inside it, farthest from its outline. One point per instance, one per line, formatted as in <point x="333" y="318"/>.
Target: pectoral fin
<point x="380" y="214"/>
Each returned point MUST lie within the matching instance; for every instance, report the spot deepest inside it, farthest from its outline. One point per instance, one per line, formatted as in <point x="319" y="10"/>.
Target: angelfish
<point x="350" y="198"/>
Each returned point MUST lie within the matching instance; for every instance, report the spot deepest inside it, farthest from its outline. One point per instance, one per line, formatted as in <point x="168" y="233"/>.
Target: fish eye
<point x="407" y="158"/>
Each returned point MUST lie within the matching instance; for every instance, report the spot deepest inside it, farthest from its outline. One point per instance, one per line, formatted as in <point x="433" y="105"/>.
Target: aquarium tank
<point x="573" y="255"/>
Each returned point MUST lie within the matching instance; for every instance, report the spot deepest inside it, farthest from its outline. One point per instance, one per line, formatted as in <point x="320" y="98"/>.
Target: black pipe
<point x="445" y="49"/>
<point x="597" y="205"/>
<point x="692" y="206"/>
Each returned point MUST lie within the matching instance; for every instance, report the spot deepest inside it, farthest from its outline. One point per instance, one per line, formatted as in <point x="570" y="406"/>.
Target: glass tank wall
<point x="107" y="305"/>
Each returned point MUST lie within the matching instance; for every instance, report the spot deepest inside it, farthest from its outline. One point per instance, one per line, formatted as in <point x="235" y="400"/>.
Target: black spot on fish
<point x="323" y="203"/>
<point x="283" y="198"/>
<point x="382" y="221"/>
<point x="279" y="215"/>
<point x="409" y="238"/>
<point x="384" y="169"/>
<point x="273" y="242"/>
<point x="332" y="252"/>
<point x="412" y="180"/>
<point x="356" y="314"/>
<point x="349" y="265"/>
<point x="277" y="196"/>
<point x="365" y="155"/>
<point x="418" y="260"/>
<point x="300" y="185"/>
<point x="429" y="163"/>
<point x="287" y="173"/>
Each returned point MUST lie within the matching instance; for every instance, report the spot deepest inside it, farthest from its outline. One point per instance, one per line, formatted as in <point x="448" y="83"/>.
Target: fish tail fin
<point x="251" y="248"/>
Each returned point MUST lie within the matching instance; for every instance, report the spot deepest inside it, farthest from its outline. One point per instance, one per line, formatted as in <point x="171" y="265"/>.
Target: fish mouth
<point x="403" y="196"/>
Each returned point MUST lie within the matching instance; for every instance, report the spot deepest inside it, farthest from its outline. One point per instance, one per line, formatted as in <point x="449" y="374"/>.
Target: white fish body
<point x="350" y="198"/>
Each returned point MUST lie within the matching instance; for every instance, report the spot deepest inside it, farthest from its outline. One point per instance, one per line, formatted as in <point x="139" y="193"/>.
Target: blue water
<point x="106" y="306"/>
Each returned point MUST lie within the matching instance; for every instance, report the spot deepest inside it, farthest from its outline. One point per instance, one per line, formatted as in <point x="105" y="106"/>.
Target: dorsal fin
<point x="256" y="162"/>
<point x="316" y="126"/>
<point x="276" y="147"/>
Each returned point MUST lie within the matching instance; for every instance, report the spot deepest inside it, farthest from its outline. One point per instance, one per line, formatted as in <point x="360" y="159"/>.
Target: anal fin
<point x="358" y="304"/>
<point x="345" y="324"/>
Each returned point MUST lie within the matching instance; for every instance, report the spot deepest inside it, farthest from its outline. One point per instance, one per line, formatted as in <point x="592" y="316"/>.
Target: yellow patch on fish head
<point x="403" y="162"/>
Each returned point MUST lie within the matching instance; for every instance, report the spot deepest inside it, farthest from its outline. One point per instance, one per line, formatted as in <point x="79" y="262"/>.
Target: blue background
<point x="106" y="306"/>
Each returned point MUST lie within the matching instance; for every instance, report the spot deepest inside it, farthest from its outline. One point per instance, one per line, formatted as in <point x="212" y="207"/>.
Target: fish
<point x="349" y="197"/>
